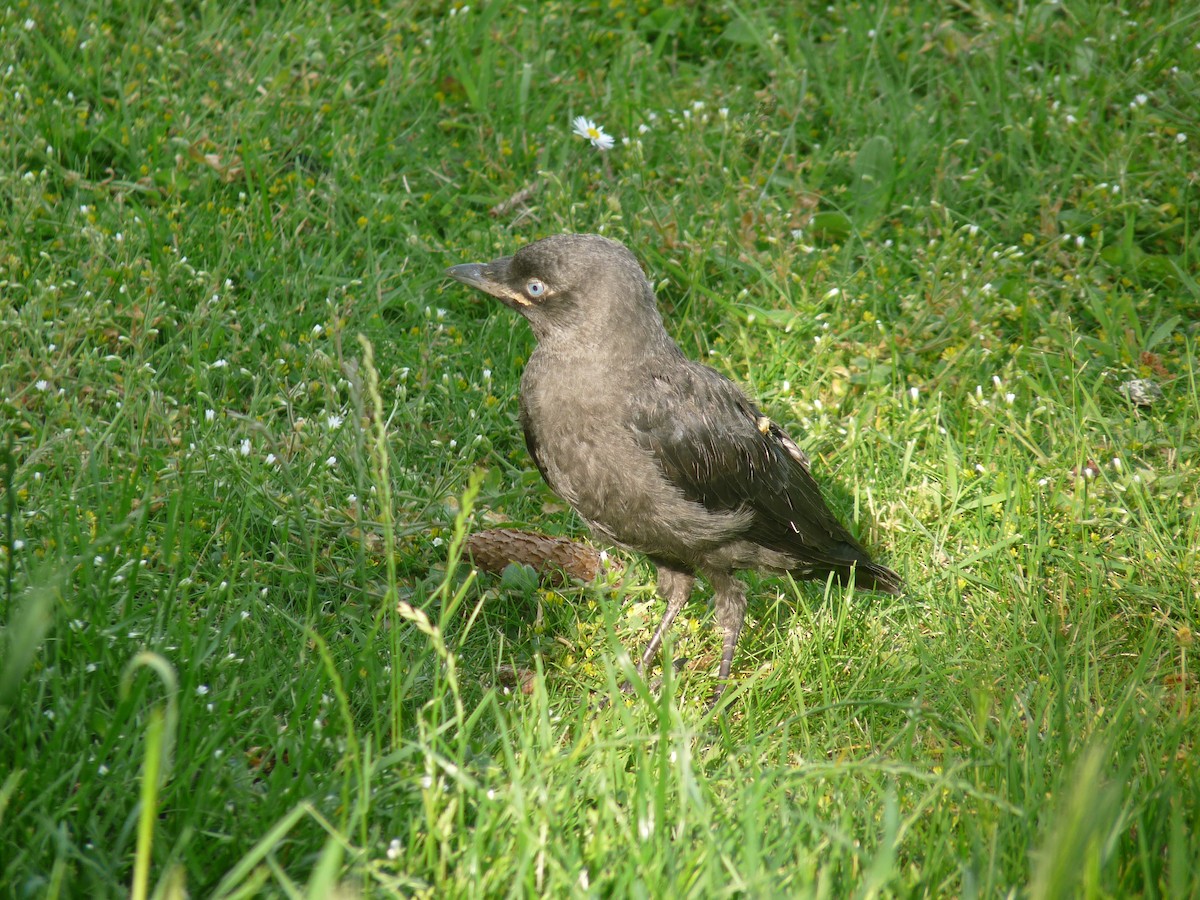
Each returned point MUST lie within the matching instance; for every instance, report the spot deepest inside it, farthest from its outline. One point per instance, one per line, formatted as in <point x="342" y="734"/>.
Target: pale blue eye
<point x="535" y="288"/>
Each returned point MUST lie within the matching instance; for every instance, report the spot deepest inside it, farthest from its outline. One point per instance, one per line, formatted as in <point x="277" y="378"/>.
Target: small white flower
<point x="333" y="422"/>
<point x="646" y="825"/>
<point x="201" y="690"/>
<point x="331" y="462"/>
<point x="592" y="133"/>
<point x="245" y="447"/>
<point x="393" y="850"/>
<point x="220" y="364"/>
<point x="1080" y="240"/>
<point x="1180" y="138"/>
<point x="914" y="392"/>
<point x="42" y="384"/>
<point x="209" y="415"/>
<point x="18" y="544"/>
<point x="271" y="459"/>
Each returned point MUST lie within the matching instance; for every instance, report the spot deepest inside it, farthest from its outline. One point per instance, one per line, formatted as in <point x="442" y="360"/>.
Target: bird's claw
<point x="628" y="688"/>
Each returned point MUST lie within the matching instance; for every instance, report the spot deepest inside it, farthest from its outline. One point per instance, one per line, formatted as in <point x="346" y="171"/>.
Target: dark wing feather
<point x="719" y="450"/>
<point x="531" y="443"/>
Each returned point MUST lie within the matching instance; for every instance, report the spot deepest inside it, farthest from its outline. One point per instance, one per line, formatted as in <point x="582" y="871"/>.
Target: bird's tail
<point x="875" y="577"/>
<point x="865" y="575"/>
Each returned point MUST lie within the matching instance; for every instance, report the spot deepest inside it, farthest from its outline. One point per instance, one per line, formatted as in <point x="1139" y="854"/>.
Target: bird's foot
<point x="628" y="688"/>
<point x="676" y="665"/>
<point x="714" y="699"/>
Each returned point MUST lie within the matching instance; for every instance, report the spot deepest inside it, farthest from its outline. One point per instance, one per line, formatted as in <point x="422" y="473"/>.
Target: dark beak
<point x="491" y="278"/>
<point x="470" y="273"/>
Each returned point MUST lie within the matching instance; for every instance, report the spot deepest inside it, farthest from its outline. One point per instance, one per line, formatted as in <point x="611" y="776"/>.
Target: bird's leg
<point x="675" y="587"/>
<point x="729" y="602"/>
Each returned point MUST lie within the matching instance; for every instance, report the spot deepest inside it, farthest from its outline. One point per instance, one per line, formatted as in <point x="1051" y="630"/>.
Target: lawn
<point x="248" y="424"/>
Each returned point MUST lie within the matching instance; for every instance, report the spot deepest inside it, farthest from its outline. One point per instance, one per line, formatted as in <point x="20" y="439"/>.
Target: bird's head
<point x="568" y="284"/>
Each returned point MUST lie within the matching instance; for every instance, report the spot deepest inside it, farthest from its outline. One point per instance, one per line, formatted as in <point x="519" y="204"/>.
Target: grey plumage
<point x="655" y="452"/>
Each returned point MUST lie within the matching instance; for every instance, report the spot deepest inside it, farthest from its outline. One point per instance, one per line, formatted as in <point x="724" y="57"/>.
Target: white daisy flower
<point x="592" y="133"/>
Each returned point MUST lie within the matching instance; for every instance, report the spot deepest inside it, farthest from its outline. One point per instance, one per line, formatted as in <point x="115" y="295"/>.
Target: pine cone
<point x="554" y="559"/>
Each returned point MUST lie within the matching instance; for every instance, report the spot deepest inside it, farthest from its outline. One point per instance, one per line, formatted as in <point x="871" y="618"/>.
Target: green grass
<point x="241" y="654"/>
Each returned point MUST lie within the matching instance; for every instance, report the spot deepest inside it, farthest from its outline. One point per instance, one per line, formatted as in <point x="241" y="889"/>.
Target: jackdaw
<point x="655" y="452"/>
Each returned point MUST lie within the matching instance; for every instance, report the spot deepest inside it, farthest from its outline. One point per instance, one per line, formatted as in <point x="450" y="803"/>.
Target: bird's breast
<point x="579" y="442"/>
<point x="581" y="435"/>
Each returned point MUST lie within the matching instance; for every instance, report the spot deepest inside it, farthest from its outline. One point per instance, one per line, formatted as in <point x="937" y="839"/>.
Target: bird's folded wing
<point x="719" y="450"/>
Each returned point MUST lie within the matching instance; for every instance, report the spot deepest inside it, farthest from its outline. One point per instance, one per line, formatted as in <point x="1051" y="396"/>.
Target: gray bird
<point x="656" y="452"/>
